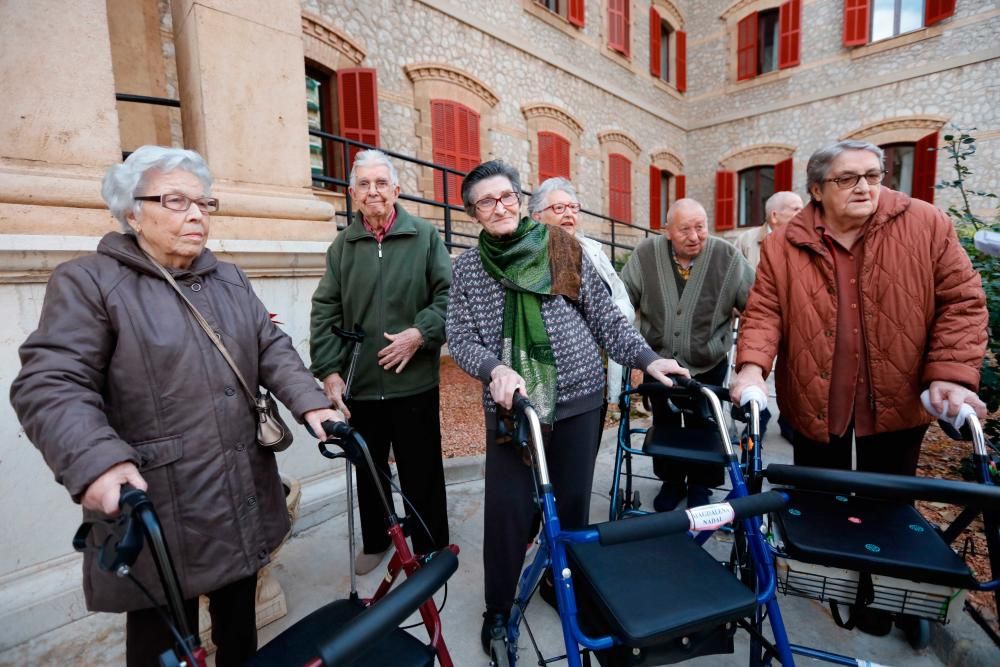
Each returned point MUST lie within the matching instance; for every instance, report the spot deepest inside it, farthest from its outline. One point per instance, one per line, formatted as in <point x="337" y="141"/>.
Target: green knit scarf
<point x="520" y="263"/>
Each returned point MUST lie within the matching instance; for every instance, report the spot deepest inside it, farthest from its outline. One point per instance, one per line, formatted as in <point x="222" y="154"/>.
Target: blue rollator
<point x="644" y="591"/>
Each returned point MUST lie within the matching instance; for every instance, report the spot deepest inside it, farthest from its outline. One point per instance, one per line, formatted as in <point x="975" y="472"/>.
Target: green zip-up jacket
<point x="385" y="287"/>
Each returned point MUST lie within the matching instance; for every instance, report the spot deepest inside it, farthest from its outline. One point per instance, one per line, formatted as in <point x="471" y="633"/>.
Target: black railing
<point x="145" y="99"/>
<point x="447" y="224"/>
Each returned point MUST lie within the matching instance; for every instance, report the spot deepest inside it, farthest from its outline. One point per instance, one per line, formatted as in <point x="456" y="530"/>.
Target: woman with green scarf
<point x="528" y="312"/>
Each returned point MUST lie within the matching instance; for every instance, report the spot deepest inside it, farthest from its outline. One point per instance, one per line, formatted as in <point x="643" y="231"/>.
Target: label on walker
<point x="868" y="663"/>
<point x="710" y="517"/>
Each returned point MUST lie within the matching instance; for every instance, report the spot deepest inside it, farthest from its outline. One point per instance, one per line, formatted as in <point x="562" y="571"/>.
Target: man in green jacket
<point x="389" y="272"/>
<point x="685" y="286"/>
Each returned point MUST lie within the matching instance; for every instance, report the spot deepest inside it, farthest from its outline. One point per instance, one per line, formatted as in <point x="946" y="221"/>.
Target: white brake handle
<point x="958" y="421"/>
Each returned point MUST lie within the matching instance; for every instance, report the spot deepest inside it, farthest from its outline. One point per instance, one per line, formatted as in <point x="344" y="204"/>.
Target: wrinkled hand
<point x="400" y="350"/>
<point x="503" y="383"/>
<point x="955" y="394"/>
<point x="333" y="387"/>
<point x="102" y="494"/>
<point x="315" y="419"/>
<point x="751" y="375"/>
<point x="661" y="368"/>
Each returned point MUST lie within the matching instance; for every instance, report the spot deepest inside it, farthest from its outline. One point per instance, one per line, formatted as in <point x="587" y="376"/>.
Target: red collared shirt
<point x="850" y="384"/>
<point x="380" y="234"/>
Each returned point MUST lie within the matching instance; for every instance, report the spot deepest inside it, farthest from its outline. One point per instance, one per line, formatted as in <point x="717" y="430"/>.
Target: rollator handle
<point x="705" y="517"/>
<point x="342" y="435"/>
<point x="683" y="387"/>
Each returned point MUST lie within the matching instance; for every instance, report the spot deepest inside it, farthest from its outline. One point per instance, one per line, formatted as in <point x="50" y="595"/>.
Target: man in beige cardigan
<point x="685" y="286"/>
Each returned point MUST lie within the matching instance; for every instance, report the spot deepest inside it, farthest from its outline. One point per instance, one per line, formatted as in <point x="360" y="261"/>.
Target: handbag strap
<point x="206" y="326"/>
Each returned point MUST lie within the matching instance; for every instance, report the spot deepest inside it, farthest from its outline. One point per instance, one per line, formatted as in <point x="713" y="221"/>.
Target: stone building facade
<point x="641" y="83"/>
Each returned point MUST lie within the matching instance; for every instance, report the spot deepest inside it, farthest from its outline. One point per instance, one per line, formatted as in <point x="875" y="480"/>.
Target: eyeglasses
<point x="176" y="202"/>
<point x="850" y="180"/>
<point x="561" y="208"/>
<point x="487" y="204"/>
<point x="381" y="185"/>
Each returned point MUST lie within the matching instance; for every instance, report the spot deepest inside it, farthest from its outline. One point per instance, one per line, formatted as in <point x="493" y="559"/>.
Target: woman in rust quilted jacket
<point x="866" y="298"/>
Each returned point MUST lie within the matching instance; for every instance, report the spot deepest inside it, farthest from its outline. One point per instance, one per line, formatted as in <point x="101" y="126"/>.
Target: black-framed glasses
<point x="562" y="207"/>
<point x="850" y="180"/>
<point x="487" y="204"/>
<point x="178" y="202"/>
<point x="381" y="185"/>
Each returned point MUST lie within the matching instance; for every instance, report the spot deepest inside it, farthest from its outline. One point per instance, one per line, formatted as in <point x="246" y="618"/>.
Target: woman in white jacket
<point x="554" y="202"/>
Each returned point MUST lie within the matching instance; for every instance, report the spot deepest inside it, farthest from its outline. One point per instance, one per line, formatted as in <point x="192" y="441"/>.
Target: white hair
<point x="776" y="201"/>
<point x="373" y="158"/>
<point x="541" y="194"/>
<point x="122" y="182"/>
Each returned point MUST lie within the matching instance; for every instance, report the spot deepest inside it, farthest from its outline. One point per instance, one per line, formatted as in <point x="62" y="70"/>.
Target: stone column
<point x="241" y="70"/>
<point x="59" y="125"/>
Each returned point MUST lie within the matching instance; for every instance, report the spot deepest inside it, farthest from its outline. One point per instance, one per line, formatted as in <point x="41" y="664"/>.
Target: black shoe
<point x="698" y="496"/>
<point x="668" y="497"/>
<point x="547" y="590"/>
<point x="494" y="627"/>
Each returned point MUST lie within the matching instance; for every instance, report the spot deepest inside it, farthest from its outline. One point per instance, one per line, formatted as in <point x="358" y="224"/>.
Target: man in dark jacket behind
<point x="389" y="272"/>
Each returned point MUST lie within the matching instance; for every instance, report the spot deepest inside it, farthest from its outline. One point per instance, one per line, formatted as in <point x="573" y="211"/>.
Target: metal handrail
<point x="146" y="99"/>
<point x="448" y="230"/>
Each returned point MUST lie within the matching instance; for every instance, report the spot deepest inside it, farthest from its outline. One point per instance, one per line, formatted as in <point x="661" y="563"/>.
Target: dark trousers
<point x="234" y="627"/>
<point x="412" y="427"/>
<point x="678" y="476"/>
<point x="570" y="449"/>
<point x="895" y="452"/>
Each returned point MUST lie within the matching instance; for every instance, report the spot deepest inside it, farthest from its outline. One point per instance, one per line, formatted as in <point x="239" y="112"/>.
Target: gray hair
<point x="122" y="182"/>
<point x="684" y="203"/>
<point x="775" y="202"/>
<point x="373" y="158"/>
<point x="480" y="173"/>
<point x="819" y="164"/>
<point x="541" y="194"/>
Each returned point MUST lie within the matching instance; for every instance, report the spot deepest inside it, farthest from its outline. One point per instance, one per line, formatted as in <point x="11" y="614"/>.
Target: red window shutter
<point x="925" y="167"/>
<point x="783" y="175"/>
<point x="655" y="202"/>
<point x="936" y="11"/>
<point x="618" y="25"/>
<point x="725" y="186"/>
<point x="627" y="27"/>
<point x="654" y="43"/>
<point x="856" y="22"/>
<point x="680" y="187"/>
<point x="357" y="97"/>
<point x="790" y="26"/>
<point x="455" y="144"/>
<point x="553" y="156"/>
<point x="575" y="13"/>
<point x="620" y="187"/>
<point x="682" y="79"/>
<point x="746" y="48"/>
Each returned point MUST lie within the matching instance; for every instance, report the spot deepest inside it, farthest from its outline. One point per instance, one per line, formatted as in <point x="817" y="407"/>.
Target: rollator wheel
<point x="619" y="504"/>
<point x="498" y="653"/>
<point x="636" y="503"/>
<point x="917" y="631"/>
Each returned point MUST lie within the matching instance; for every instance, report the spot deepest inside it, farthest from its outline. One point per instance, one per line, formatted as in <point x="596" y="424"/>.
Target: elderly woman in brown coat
<point x="119" y="384"/>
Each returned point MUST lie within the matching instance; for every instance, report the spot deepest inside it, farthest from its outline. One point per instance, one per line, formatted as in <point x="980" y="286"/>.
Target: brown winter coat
<point x="118" y="370"/>
<point x="923" y="314"/>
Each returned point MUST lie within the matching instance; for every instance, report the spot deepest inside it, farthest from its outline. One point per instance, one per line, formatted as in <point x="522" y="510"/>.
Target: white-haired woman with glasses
<point x="528" y="313"/>
<point x="555" y="202"/>
<point x="120" y="384"/>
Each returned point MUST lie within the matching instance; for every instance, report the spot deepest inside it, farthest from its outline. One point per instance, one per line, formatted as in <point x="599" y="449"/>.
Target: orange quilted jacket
<point x="924" y="314"/>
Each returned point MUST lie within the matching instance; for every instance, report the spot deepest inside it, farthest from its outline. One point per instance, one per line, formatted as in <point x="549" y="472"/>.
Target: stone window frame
<point x="433" y="81"/>
<point x="617" y="141"/>
<point x="758" y="155"/>
<point x="671" y="15"/>
<point x="546" y="117"/>
<point x="898" y="130"/>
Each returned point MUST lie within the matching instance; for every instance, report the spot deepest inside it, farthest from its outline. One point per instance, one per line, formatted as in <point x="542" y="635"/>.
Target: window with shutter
<point x="725" y="184"/>
<point x="321" y="108"/>
<point x="756" y="185"/>
<point x="455" y="144"/>
<point x="553" y="156"/>
<point x="620" y="187"/>
<point x="357" y="96"/>
<point x="655" y="29"/>
<point x="681" y="39"/>
<point x="746" y="48"/>
<point x="791" y="30"/>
